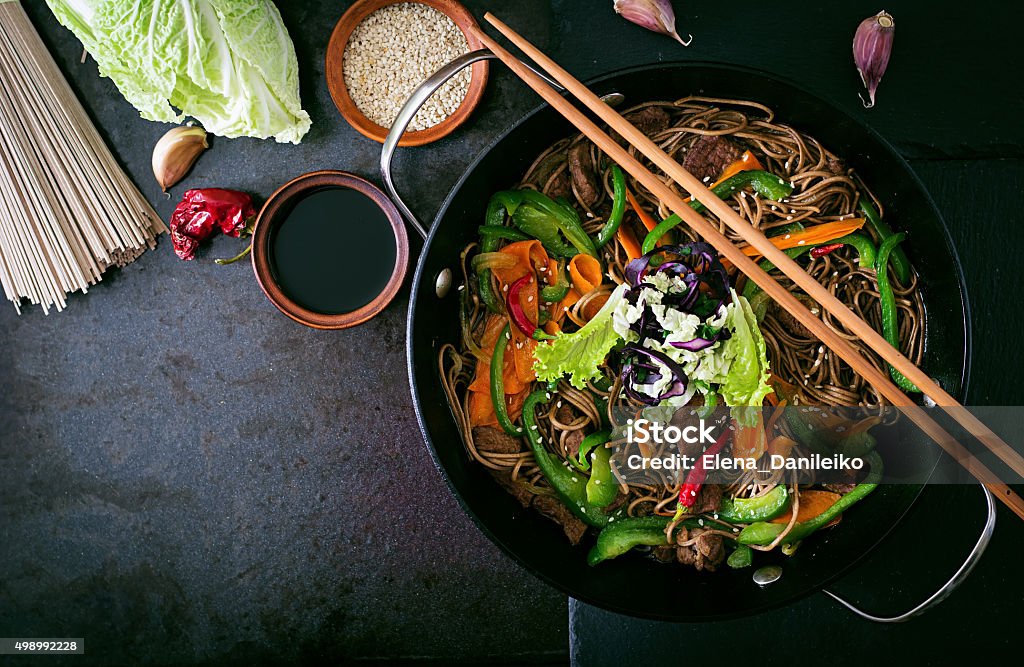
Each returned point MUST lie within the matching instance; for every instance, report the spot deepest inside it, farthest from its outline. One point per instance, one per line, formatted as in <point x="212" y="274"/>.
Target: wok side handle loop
<point x="958" y="577"/>
<point x="418" y="98"/>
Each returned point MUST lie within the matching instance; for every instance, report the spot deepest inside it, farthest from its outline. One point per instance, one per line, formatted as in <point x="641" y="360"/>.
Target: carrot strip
<point x="648" y="221"/>
<point x="773" y="400"/>
<point x="815" y="235"/>
<point x="585" y="272"/>
<point x="781" y="446"/>
<point x="812" y="503"/>
<point x="628" y="242"/>
<point x="749" y="441"/>
<point x="585" y="275"/>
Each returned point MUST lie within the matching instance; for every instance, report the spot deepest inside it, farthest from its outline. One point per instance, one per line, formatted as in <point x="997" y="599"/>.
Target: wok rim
<point x="418" y="277"/>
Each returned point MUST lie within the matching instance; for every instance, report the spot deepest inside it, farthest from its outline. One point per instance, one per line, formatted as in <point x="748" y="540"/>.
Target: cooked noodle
<point x="825" y="190"/>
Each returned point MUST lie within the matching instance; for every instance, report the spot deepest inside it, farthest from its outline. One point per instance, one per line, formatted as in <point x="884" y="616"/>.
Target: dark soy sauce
<point x="333" y="252"/>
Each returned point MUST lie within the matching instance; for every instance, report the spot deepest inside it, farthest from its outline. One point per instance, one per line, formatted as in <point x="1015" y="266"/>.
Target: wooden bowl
<point x="336" y="76"/>
<point x="278" y="207"/>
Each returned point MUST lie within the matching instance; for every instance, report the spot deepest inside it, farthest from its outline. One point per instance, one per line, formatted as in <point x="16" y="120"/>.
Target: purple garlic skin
<point x="655" y="15"/>
<point x="872" y="45"/>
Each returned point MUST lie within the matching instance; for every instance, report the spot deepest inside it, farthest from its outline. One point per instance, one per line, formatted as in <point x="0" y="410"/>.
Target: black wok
<point x="631" y="584"/>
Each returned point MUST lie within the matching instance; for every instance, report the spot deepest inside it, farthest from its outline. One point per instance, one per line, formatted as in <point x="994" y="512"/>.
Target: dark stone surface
<point x="187" y="476"/>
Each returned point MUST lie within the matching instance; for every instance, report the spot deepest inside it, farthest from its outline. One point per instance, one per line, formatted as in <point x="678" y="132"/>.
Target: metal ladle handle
<point x="418" y="98"/>
<point x="958" y="577"/>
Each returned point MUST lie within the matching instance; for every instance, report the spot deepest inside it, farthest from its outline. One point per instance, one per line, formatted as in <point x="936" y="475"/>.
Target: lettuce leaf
<point x="580" y="354"/>
<point x="746" y="383"/>
<point x="229" y="64"/>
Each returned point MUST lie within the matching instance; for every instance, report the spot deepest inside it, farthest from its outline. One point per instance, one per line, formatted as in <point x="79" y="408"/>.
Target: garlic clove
<point x="872" y="46"/>
<point x="655" y="15"/>
<point x="176" y="152"/>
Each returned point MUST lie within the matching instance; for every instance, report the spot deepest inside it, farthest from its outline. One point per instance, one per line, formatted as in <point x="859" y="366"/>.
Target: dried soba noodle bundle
<point x="67" y="209"/>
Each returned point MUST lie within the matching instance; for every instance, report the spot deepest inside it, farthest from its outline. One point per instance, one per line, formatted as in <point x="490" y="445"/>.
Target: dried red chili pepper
<point x="826" y="249"/>
<point x="202" y="212"/>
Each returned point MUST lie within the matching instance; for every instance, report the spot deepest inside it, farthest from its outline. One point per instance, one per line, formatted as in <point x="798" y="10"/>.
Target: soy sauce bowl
<point x="280" y="206"/>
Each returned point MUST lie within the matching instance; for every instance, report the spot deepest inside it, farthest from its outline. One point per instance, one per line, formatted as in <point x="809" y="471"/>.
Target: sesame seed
<point x="801" y="242"/>
<point x="389" y="54"/>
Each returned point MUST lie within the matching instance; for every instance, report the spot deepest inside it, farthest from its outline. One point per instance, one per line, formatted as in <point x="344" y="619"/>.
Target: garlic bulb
<point x="655" y="15"/>
<point x="175" y="154"/>
<point x="872" y="45"/>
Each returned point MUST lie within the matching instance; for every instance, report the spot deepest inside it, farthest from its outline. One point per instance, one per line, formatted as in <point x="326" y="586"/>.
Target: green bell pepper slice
<point x="761" y="508"/>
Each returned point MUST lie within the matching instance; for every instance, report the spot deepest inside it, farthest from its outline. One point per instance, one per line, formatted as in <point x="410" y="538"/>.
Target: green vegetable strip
<point x="766" y="184"/>
<point x="857" y="446"/>
<point x="588" y="443"/>
<point x="493" y="219"/>
<point x="570" y="486"/>
<point x="555" y="293"/>
<point x="601" y="487"/>
<point x="804" y="432"/>
<point x="900" y="262"/>
<point x="562" y="217"/>
<point x="742" y="557"/>
<point x="618" y="208"/>
<point x="751" y="289"/>
<point x="502" y="232"/>
<point x="624" y="534"/>
<point x="890" y="312"/>
<point x="761" y="508"/>
<point x="498" y="385"/>
<point x="765" y="533"/>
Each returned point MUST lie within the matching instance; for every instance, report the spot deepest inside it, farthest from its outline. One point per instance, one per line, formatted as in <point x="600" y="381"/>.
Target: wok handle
<point x="958" y="577"/>
<point x="418" y="98"/>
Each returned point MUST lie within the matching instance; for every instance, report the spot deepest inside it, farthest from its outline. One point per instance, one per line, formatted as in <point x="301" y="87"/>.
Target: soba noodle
<point x="825" y="190"/>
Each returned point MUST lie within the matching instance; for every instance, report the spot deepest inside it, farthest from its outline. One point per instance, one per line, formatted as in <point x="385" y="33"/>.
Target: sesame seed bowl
<point x="381" y="50"/>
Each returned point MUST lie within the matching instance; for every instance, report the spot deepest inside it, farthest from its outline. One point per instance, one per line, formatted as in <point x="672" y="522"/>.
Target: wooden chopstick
<point x="765" y="247"/>
<point x="711" y="234"/>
